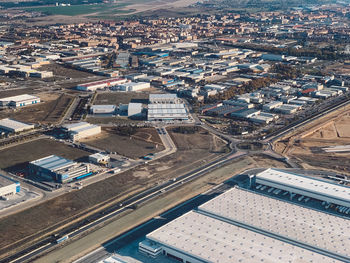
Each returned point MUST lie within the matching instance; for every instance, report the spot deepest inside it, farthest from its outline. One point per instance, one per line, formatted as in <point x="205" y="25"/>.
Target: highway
<point x="111" y="212"/>
<point x="140" y="231"/>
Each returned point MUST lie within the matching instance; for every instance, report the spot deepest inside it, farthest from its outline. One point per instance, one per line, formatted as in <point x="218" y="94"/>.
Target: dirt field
<point x="59" y="70"/>
<point x="116" y="98"/>
<point x="306" y="146"/>
<point x="143" y="142"/>
<point x="21" y="154"/>
<point x="50" y="110"/>
<point x="15" y="92"/>
<point x="191" y="154"/>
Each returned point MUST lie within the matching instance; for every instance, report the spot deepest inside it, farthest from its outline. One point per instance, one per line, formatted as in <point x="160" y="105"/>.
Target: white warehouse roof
<point x="319" y="189"/>
<point x="211" y="240"/>
<point x="19" y="98"/>
<point x="309" y="227"/>
<point x="15" y="126"/>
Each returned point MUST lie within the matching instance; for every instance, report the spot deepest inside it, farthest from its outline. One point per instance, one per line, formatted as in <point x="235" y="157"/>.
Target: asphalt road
<point x="125" y="239"/>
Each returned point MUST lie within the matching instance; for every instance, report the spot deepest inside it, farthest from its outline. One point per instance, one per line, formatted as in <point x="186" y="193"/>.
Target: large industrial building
<point x="19" y="101"/>
<point x="298" y="184"/>
<point x="101" y="84"/>
<point x="55" y="168"/>
<point x="8" y="187"/>
<point x="164" y="98"/>
<point x="81" y="130"/>
<point x="243" y="226"/>
<point x="103" y="109"/>
<point x="134" y="110"/>
<point x="166" y="107"/>
<point x="12" y="126"/>
<point x="134" y="86"/>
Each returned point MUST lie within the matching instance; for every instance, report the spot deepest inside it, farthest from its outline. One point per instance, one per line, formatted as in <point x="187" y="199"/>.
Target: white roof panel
<point x="328" y="232"/>
<point x="317" y="186"/>
<point x="212" y="240"/>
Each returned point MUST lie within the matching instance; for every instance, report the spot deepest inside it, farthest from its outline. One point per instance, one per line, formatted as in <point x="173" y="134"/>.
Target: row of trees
<point x="251" y="86"/>
<point x="328" y="53"/>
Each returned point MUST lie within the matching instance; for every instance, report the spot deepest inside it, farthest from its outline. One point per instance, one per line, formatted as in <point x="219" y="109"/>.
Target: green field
<point x="101" y="9"/>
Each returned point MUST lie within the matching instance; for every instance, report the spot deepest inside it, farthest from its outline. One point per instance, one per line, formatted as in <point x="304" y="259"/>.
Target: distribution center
<point x="55" y="168"/>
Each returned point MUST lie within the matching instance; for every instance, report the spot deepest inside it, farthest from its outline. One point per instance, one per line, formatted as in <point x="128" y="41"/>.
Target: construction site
<point x="322" y="143"/>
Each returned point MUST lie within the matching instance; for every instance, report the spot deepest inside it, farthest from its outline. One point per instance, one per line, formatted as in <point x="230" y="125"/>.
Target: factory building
<point x="305" y="186"/>
<point x="55" y="168"/>
<point x="134" y="110"/>
<point x="243" y="226"/>
<point x="161" y="112"/>
<point x="103" y="109"/>
<point x="166" y="107"/>
<point x="164" y="99"/>
<point x="134" y="86"/>
<point x="8" y="187"/>
<point x="101" y="84"/>
<point x="99" y="158"/>
<point x="81" y="130"/>
<point x="19" y="101"/>
<point x="12" y="126"/>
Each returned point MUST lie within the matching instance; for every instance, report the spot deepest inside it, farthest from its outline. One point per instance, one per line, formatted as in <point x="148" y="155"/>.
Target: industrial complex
<point x="243" y="225"/>
<point x="58" y="169"/>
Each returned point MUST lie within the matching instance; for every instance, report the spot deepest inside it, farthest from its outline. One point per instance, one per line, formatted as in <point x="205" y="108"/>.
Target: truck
<point x="61" y="239"/>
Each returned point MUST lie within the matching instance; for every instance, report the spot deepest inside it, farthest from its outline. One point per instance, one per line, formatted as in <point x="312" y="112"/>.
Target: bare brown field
<point x="49" y="215"/>
<point x="306" y="145"/>
<point x="21" y="154"/>
<point x="116" y="98"/>
<point x="50" y="110"/>
<point x="15" y="92"/>
<point x="59" y="70"/>
<point x="143" y="142"/>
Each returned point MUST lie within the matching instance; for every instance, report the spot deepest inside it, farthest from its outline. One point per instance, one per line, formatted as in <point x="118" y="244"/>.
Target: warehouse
<point x="162" y="112"/>
<point x="306" y="186"/>
<point x="12" y="126"/>
<point x="199" y="238"/>
<point x="164" y="98"/>
<point x="59" y="169"/>
<point x="134" y="86"/>
<point x="19" y="101"/>
<point x="8" y="187"/>
<point x="270" y="106"/>
<point x="81" y="130"/>
<point x="307" y="227"/>
<point x="134" y="110"/>
<point x="101" y="84"/>
<point x="103" y="109"/>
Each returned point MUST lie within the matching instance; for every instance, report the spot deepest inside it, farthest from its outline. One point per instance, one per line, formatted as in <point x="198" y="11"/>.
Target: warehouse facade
<point x="59" y="169"/>
<point x="9" y="125"/>
<point x="19" y="101"/>
<point x="81" y="130"/>
<point x="8" y="187"/>
<point x="298" y="184"/>
<point x="107" y="83"/>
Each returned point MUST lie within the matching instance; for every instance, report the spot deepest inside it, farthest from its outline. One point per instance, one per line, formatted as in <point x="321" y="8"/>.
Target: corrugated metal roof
<point x="53" y="162"/>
